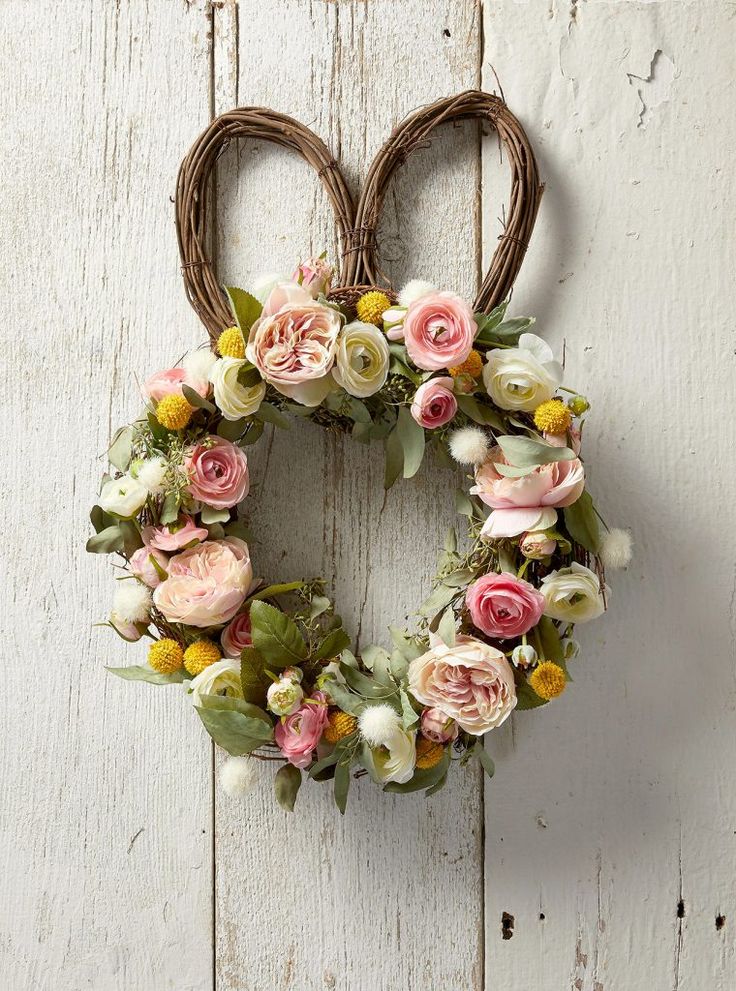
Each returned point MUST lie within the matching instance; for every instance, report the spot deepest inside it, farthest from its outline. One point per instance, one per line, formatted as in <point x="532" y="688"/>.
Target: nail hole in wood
<point x="542" y="916"/>
<point x="681" y="909"/>
<point x="507" y="925"/>
<point x="446" y="33"/>
<point x="720" y="922"/>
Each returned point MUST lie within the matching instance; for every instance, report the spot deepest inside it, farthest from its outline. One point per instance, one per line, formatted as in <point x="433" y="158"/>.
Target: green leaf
<point x="231" y="730"/>
<point x="345" y="699"/>
<point x="333" y="644"/>
<point x="99" y="519"/>
<point x="132" y="539"/>
<point x="320" y="604"/>
<point x="232" y="430"/>
<point x="411" y="436"/>
<point x="409" y="715"/>
<point x="106" y="541"/>
<point x="170" y="508"/>
<point x="407" y="647"/>
<point x="523" y="452"/>
<point x="526" y="697"/>
<point x="253" y="677"/>
<point x="366" y="687"/>
<point x="252" y="434"/>
<point x="246" y="308"/>
<point x="439" y="598"/>
<point x="394" y="458"/>
<point x="549" y="639"/>
<point x="446" y="627"/>
<point x="423" y="778"/>
<point x="398" y="665"/>
<point x="248" y="375"/>
<point x="486" y="416"/>
<point x="463" y="505"/>
<point x="140" y="672"/>
<point x="400" y="364"/>
<point x="268" y="413"/>
<point x="271" y="591"/>
<point x="276" y="636"/>
<point x="509" y="331"/>
<point x="286" y="786"/>
<point x="342" y="784"/>
<point x="582" y="523"/>
<point x="120" y="450"/>
<point x="485" y="759"/>
<point x="459" y="578"/>
<point x="238" y="529"/>
<point x="315" y="771"/>
<point x="194" y="399"/>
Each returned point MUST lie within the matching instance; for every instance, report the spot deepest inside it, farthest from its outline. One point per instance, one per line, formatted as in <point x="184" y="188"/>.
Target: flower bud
<point x="570" y="649"/>
<point x="437" y="726"/>
<point x="537" y="545"/>
<point x="523" y="656"/>
<point x="284" y="697"/>
<point x="578" y="405"/>
<point x="293" y="674"/>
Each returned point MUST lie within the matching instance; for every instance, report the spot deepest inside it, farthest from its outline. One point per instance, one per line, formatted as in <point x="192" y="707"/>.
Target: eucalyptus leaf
<point x="231" y="730"/>
<point x="271" y="591"/>
<point x="248" y="375"/>
<point x="268" y="413"/>
<point x="345" y="699"/>
<point x="409" y="715"/>
<point x="132" y="539"/>
<point x="437" y="600"/>
<point x="320" y="604"/>
<point x="463" y="505"/>
<point x="246" y="308"/>
<point x="459" y="578"/>
<point x="398" y="665"/>
<point x="485" y="759"/>
<point x="232" y="430"/>
<point x="582" y="523"/>
<point x="249" y="709"/>
<point x="141" y="672"/>
<point x="276" y="636"/>
<point x="324" y="762"/>
<point x="342" y="784"/>
<point x="120" y="450"/>
<point x="194" y="399"/>
<point x="446" y="627"/>
<point x="170" y="508"/>
<point x="394" y="458"/>
<point x="252" y="434"/>
<point x="370" y="652"/>
<point x="364" y="686"/>
<point x="286" y="785"/>
<point x="106" y="541"/>
<point x="481" y="413"/>
<point x="407" y="647"/>
<point x="549" y="639"/>
<point x="526" y="697"/>
<point x="411" y="436"/>
<point x="524" y="452"/>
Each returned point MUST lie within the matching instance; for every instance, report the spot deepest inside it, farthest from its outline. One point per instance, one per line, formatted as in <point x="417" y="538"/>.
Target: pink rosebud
<point x="434" y="403"/>
<point x="236" y="635"/>
<point x="169" y="382"/>
<point x="503" y="606"/>
<point x="143" y="567"/>
<point x="439" y="331"/>
<point x="298" y="735"/>
<point x="537" y="545"/>
<point x="437" y="726"/>
<point x="218" y="472"/>
<point x="314" y="275"/>
<point x="175" y="536"/>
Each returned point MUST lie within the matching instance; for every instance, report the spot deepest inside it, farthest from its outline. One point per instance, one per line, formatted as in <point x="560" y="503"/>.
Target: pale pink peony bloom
<point x="503" y="606"/>
<point x="236" y="635"/>
<point x="169" y="382"/>
<point x="297" y="735"/>
<point x="529" y="502"/>
<point x="439" y="331"/>
<point x="207" y="584"/>
<point x="174" y="537"/>
<point x="437" y="726"/>
<point x="142" y="566"/>
<point x="434" y="404"/>
<point x="314" y="275"/>
<point x="218" y="473"/>
<point x="471" y="681"/>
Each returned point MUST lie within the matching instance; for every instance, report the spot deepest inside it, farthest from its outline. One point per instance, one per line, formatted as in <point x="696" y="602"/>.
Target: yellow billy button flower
<point x="548" y="680"/>
<point x="173" y="412"/>
<point x="339" y="725"/>
<point x="472" y="366"/>
<point x="199" y="655"/>
<point x="552" y="417"/>
<point x="231" y="344"/>
<point x="429" y="754"/>
<point x="165" y="656"/>
<point x="372" y="306"/>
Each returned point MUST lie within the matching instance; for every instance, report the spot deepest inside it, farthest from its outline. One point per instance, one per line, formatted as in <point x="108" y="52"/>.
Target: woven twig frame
<point x="356" y="226"/>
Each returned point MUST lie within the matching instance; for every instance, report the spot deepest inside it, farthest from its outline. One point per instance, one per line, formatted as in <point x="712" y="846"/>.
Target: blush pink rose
<point x="174" y="537"/>
<point x="439" y="330"/>
<point x="293" y="347"/>
<point x="437" y="726"/>
<point x="434" y="404"/>
<point x="218" y="473"/>
<point x="207" y="584"/>
<point x="298" y="735"/>
<point x="314" y="275"/>
<point x="169" y="382"/>
<point x="503" y="606"/>
<point x="236" y="635"/>
<point x="529" y="502"/>
<point x="142" y="566"/>
<point x="471" y="681"/>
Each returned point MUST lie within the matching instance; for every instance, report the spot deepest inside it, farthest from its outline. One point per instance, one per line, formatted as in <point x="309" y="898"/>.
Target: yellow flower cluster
<point x="199" y="655"/>
<point x="429" y="754"/>
<point x="473" y="366"/>
<point x="339" y="725"/>
<point x="372" y="306"/>
<point x="552" y="417"/>
<point x="165" y="656"/>
<point x="173" y="412"/>
<point x="231" y="344"/>
<point x="548" y="680"/>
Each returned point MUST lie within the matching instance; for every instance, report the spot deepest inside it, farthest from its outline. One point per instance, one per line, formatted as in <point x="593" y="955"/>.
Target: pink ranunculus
<point x="207" y="584"/>
<point x="294" y="346"/>
<point x="169" y="382"/>
<point x="218" y="473"/>
<point x="314" y="275"/>
<point x="143" y="567"/>
<point x="471" y="681"/>
<point x="503" y="606"/>
<point x="437" y="726"/>
<point x="298" y="735"/>
<point x="529" y="502"/>
<point x="236" y="635"/>
<point x="434" y="404"/>
<point x="439" y="330"/>
<point x="174" y="536"/>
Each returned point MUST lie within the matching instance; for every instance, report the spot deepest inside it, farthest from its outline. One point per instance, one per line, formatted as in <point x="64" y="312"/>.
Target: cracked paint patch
<point x="654" y="89"/>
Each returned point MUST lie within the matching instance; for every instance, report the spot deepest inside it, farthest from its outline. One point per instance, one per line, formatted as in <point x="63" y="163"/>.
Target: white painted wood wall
<point x="121" y="868"/>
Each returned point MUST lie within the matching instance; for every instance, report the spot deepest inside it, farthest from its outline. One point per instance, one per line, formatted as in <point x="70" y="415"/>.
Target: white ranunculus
<point x="221" y="676"/>
<point x="572" y="594"/>
<point x="151" y="474"/>
<point x="284" y="696"/>
<point x="521" y="378"/>
<point x="123" y="496"/>
<point x="233" y="399"/>
<point x="361" y="360"/>
<point x="395" y="761"/>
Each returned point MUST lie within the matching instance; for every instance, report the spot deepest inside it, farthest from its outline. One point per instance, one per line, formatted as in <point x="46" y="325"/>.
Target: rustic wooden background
<point x="602" y="856"/>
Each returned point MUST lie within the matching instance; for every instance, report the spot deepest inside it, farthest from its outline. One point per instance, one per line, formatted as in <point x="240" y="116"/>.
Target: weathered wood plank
<point x="106" y="810"/>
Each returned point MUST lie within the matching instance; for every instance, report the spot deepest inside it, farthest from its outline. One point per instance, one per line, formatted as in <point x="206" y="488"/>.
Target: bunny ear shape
<point x="526" y="190"/>
<point x="193" y="187"/>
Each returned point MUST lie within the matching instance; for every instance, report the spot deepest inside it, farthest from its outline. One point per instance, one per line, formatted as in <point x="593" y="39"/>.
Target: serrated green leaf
<point x="333" y="644"/>
<point x="286" y="785"/>
<point x="140" y="672"/>
<point x="582" y="523"/>
<point x="253" y="678"/>
<point x="276" y="636"/>
<point x="245" y="308"/>
<point x="524" y="452"/>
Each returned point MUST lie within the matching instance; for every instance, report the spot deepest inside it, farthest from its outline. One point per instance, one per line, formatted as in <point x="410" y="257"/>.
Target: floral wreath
<point x="268" y="666"/>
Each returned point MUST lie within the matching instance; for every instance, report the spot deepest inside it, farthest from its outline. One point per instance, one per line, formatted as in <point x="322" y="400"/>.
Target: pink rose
<point x="434" y="403"/>
<point x="503" y="606"/>
<point x="472" y="682"/>
<point x="537" y="545"/>
<point x="218" y="473"/>
<point x="439" y="330"/>
<point x="207" y="584"/>
<point x="169" y="382"/>
<point x="437" y="726"/>
<point x="314" y="275"/>
<point x="236" y="635"/>
<point x="143" y="567"/>
<point x="526" y="503"/>
<point x="294" y="346"/>
<point x="175" y="536"/>
<point x="298" y="735"/>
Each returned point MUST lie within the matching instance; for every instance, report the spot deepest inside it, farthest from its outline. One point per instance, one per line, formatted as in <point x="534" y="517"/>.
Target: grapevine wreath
<point x="268" y="666"/>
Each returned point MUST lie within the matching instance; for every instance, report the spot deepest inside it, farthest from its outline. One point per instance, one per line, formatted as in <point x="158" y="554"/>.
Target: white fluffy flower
<point x="239" y="776"/>
<point x="378" y="723"/>
<point x="264" y="283"/>
<point x="234" y="399"/>
<point x="224" y="674"/>
<point x="572" y="594"/>
<point x="132" y="602"/>
<point x="151" y="474"/>
<point x="362" y="359"/>
<point x="469" y="445"/>
<point x="615" y="551"/>
<point x="521" y="378"/>
<point x="123" y="496"/>
<point x="413" y="290"/>
<point x="396" y="760"/>
<point x="198" y="364"/>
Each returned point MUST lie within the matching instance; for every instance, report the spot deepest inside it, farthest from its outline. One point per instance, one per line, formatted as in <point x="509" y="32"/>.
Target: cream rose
<point x="521" y="378"/>
<point x="234" y="399"/>
<point x="471" y="681"/>
<point x="362" y="359"/>
<point x="221" y="676"/>
<point x="573" y="594"/>
<point x="396" y="760"/>
<point x="207" y="583"/>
